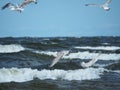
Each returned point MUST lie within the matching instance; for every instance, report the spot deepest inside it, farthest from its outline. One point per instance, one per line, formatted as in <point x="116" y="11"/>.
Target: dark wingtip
<point x="86" y="4"/>
<point x="5" y="6"/>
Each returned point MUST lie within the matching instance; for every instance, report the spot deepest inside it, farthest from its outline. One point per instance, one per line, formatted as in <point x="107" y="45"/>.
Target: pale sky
<point x="51" y="18"/>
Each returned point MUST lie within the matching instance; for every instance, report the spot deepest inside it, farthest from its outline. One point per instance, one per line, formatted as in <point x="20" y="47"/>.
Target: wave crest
<point x="11" y="48"/>
<point x="99" y="48"/>
<point x="84" y="55"/>
<point x="27" y="74"/>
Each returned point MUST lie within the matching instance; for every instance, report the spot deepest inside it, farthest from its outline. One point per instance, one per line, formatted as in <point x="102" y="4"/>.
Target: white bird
<point x="12" y="7"/>
<point x="90" y="63"/>
<point x="19" y="8"/>
<point x="59" y="56"/>
<point x="104" y="6"/>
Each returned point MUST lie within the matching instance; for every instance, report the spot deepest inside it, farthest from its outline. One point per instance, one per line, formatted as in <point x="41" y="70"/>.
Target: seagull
<point x="59" y="56"/>
<point x="90" y="63"/>
<point x="12" y="7"/>
<point x="26" y="2"/>
<point x="104" y="6"/>
<point x="19" y="8"/>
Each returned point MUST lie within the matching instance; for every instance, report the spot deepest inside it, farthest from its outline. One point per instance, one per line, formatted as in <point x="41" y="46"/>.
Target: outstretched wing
<point x="25" y="3"/>
<point x="92" y="5"/>
<point x="108" y="1"/>
<point x="6" y="6"/>
<point x="91" y="62"/>
<point x="59" y="56"/>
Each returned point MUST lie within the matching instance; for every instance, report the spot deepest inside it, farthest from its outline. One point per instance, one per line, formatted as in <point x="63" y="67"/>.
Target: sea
<point x="25" y="61"/>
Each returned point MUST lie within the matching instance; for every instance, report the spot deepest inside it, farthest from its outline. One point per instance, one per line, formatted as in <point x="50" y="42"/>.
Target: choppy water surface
<point x="24" y="63"/>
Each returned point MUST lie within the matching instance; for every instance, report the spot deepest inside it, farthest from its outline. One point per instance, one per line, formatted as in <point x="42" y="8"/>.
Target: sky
<point x="60" y="18"/>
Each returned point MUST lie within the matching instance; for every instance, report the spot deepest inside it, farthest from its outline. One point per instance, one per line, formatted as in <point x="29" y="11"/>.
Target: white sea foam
<point x="27" y="74"/>
<point x="11" y="48"/>
<point x="88" y="55"/>
<point x="116" y="71"/>
<point x="84" y="55"/>
<point x="99" y="48"/>
<point x="47" y="53"/>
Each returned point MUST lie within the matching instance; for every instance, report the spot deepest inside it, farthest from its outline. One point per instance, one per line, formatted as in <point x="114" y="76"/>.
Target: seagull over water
<point x="91" y="62"/>
<point x="59" y="56"/>
<point x="19" y="8"/>
<point x="104" y="6"/>
<point x="83" y="64"/>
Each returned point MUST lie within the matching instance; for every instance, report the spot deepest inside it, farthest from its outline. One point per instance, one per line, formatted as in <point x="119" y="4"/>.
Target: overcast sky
<point x="50" y="18"/>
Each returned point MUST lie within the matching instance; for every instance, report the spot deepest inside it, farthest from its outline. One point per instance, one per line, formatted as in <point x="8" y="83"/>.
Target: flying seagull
<point x="12" y="7"/>
<point x="19" y="8"/>
<point x="59" y="56"/>
<point x="90" y="63"/>
<point x="104" y="6"/>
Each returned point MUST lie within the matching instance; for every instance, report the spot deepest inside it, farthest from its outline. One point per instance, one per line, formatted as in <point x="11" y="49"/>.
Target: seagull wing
<point x="25" y="3"/>
<point x="7" y="5"/>
<point x="59" y="56"/>
<point x="91" y="62"/>
<point x="108" y="1"/>
<point x="92" y="5"/>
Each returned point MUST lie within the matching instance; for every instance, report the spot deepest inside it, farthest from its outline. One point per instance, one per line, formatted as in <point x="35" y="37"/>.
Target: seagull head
<point x="35" y="1"/>
<point x="65" y="52"/>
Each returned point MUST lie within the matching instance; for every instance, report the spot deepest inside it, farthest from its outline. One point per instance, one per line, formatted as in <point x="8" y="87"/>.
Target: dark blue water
<point x="22" y="56"/>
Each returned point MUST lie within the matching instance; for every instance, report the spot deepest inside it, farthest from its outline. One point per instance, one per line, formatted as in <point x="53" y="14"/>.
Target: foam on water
<point x="47" y="53"/>
<point x="116" y="71"/>
<point x="27" y="74"/>
<point x="84" y="55"/>
<point x="99" y="48"/>
<point x="88" y="55"/>
<point x="11" y="48"/>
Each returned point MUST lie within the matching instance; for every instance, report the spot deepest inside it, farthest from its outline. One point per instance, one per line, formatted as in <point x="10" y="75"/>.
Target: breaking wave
<point x="11" y="48"/>
<point x="99" y="48"/>
<point x="84" y="55"/>
<point x="28" y="74"/>
<point x="88" y="55"/>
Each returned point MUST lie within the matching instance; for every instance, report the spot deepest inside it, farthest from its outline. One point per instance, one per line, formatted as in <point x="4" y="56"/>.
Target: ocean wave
<point x="116" y="71"/>
<point x="50" y="53"/>
<point x="11" y="48"/>
<point x="84" y="55"/>
<point x="88" y="55"/>
<point x="28" y="74"/>
<point x="99" y="48"/>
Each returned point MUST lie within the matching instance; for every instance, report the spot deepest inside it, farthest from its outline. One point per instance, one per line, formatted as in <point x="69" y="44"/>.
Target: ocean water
<point x="24" y="63"/>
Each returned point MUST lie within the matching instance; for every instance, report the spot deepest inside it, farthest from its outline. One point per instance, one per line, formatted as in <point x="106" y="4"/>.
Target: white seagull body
<point x="104" y="6"/>
<point x="59" y="56"/>
<point x="90" y="63"/>
<point x="12" y="7"/>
